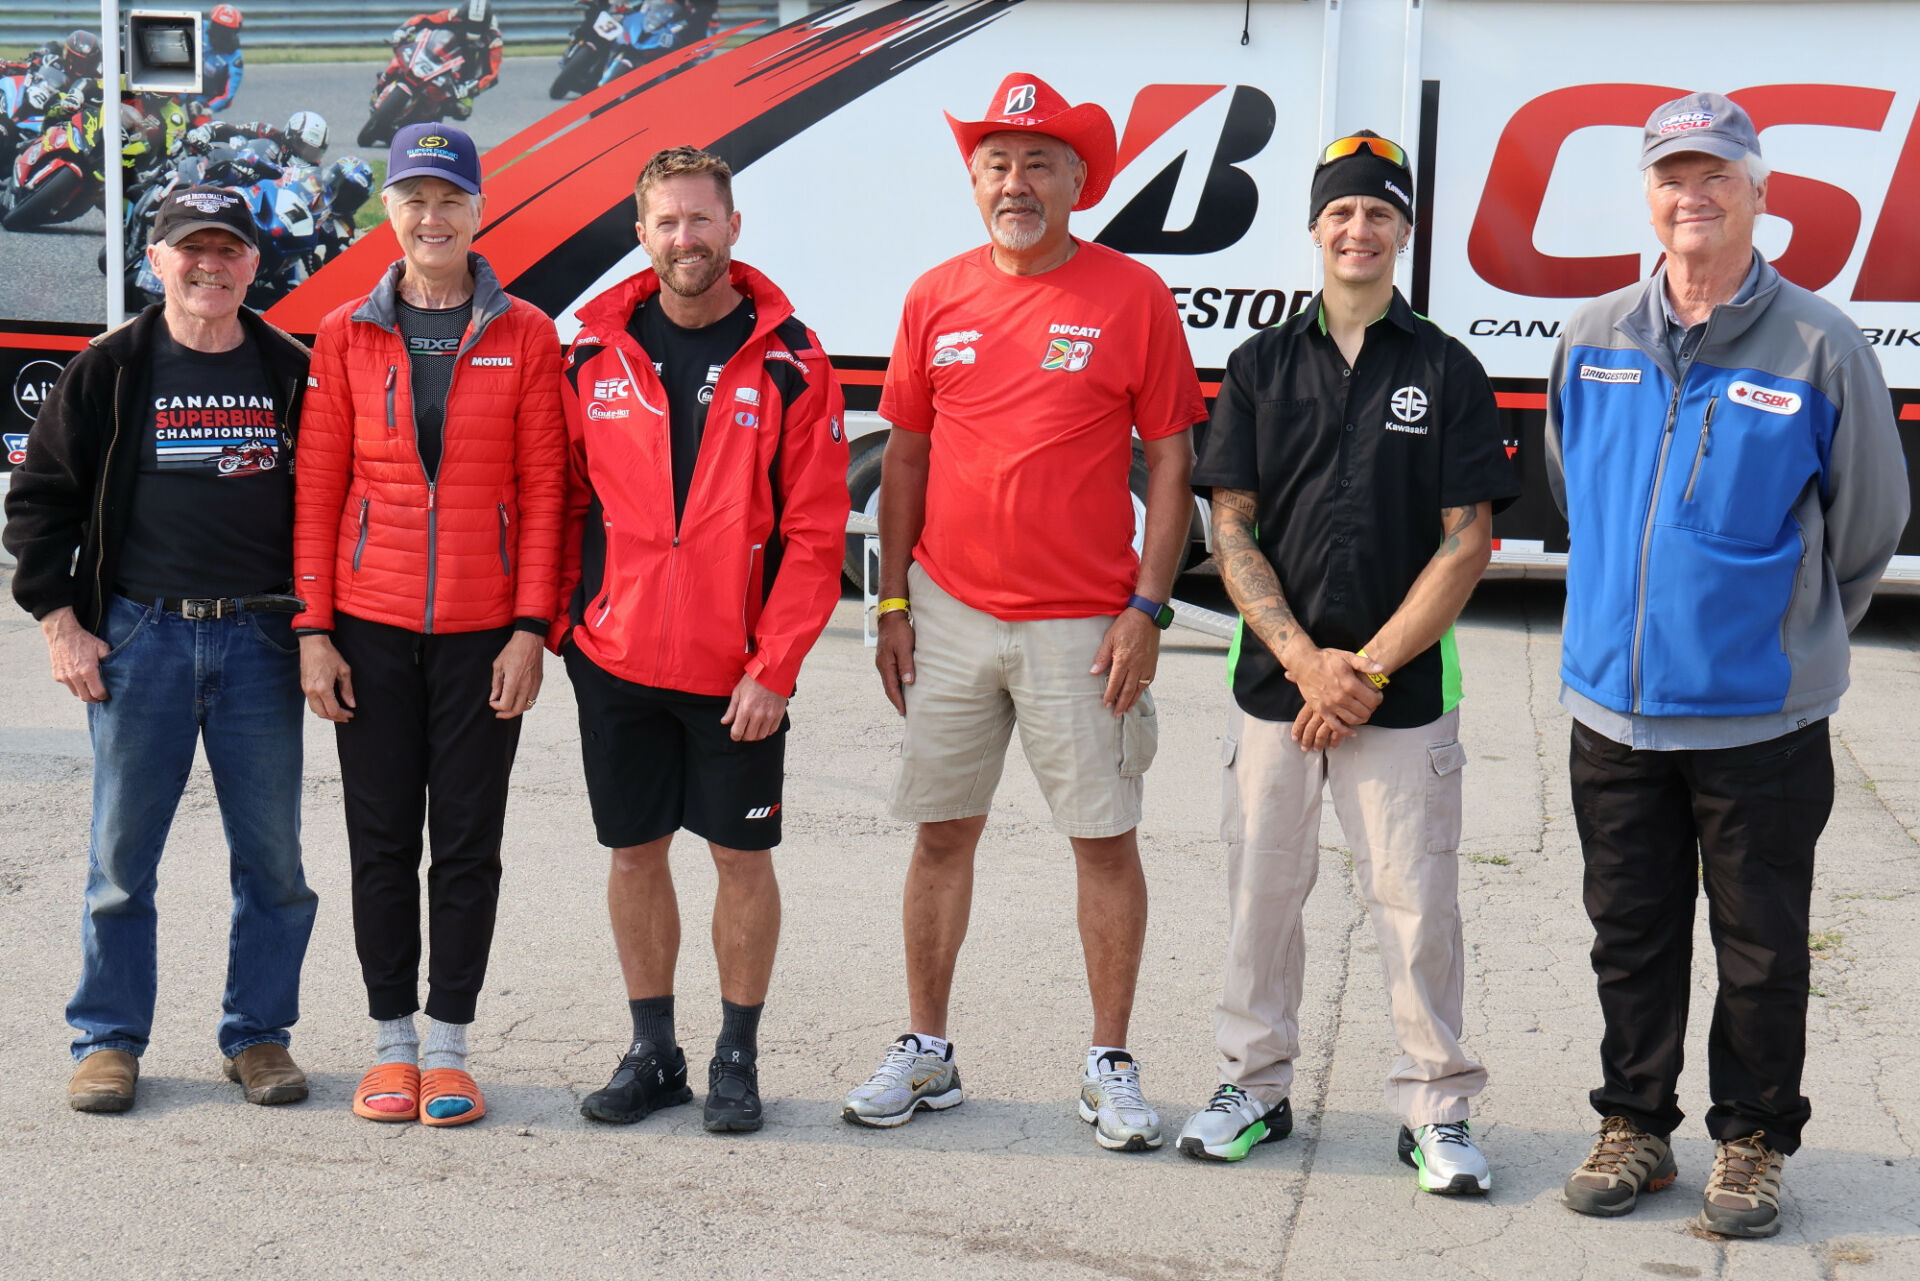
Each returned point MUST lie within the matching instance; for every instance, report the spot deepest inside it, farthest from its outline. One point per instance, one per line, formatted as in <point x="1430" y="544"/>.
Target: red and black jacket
<point x="744" y="583"/>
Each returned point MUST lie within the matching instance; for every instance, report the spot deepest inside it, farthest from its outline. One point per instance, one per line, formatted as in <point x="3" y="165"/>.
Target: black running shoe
<point x="647" y="1080"/>
<point x="733" y="1093"/>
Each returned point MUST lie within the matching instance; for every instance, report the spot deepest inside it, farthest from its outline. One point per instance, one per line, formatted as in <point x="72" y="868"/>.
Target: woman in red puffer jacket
<point x="428" y="507"/>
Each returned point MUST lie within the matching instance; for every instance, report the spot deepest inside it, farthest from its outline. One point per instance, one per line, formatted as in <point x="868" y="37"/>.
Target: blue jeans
<point x="233" y="683"/>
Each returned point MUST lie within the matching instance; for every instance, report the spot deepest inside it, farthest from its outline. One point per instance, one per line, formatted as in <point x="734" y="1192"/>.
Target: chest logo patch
<point x="1064" y="353"/>
<point x="705" y="394"/>
<point x="612" y="388"/>
<point x="1606" y="374"/>
<point x="955" y="348"/>
<point x="1409" y="404"/>
<point x="1769" y="399"/>
<point x="492" y="362"/>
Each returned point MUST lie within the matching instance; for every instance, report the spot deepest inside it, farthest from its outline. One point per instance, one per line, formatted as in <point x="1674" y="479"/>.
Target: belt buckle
<point x="200" y="610"/>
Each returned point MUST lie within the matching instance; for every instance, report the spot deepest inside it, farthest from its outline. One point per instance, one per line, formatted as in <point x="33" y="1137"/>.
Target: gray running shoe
<point x="1232" y="1123"/>
<point x="907" y="1080"/>
<point x="1625" y="1162"/>
<point x="1743" y="1193"/>
<point x="1111" y="1102"/>
<point x="1447" y="1159"/>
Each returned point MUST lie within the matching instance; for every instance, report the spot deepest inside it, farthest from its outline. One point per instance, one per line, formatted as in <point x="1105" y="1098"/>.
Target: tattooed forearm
<point x="1455" y="520"/>
<point x="1249" y="575"/>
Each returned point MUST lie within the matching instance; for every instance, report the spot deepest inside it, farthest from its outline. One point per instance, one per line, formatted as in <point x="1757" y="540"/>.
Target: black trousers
<point x="1654" y="827"/>
<point x="423" y="747"/>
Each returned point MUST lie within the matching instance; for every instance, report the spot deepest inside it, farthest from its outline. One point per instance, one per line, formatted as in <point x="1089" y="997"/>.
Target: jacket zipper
<point x="506" y="566"/>
<point x="753" y="554"/>
<point x="606" y="574"/>
<point x="100" y="508"/>
<point x="361" y="545"/>
<point x="1706" y="432"/>
<point x="1646" y="541"/>
<point x="393" y="372"/>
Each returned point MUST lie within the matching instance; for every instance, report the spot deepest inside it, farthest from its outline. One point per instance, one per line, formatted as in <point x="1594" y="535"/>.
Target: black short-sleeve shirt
<point x="1352" y="467"/>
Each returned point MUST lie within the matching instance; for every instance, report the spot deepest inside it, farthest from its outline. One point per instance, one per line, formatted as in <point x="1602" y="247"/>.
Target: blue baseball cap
<point x="434" y="151"/>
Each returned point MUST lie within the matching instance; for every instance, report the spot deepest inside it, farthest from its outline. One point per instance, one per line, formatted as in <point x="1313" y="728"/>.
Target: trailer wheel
<point x="863" y="488"/>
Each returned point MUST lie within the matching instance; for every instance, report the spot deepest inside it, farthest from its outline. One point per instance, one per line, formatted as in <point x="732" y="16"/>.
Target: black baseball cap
<point x="194" y="209"/>
<point x="434" y="151"/>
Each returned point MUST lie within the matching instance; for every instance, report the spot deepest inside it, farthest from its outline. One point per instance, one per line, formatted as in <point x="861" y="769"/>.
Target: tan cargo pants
<point x="1397" y="794"/>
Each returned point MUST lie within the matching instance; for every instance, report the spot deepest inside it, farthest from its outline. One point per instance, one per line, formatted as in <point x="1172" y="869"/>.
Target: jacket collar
<point x="1644" y="319"/>
<point x="490" y="301"/>
<point x="605" y="318"/>
<point x="131" y="342"/>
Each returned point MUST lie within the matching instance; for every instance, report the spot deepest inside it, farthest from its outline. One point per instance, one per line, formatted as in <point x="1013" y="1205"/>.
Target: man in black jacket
<point x="152" y="523"/>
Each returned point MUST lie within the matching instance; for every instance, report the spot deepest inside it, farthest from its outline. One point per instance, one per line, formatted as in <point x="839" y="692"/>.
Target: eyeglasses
<point x="1340" y="148"/>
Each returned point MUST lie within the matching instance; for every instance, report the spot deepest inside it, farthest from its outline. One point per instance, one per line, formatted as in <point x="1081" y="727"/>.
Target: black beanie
<point x="1361" y="174"/>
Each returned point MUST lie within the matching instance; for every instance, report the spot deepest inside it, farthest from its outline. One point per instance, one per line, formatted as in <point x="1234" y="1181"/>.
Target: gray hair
<point x="1073" y="157"/>
<point x="406" y="188"/>
<point x="1757" y="171"/>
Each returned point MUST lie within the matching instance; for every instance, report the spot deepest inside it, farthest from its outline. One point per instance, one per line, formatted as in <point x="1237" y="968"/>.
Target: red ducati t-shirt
<point x="1032" y="388"/>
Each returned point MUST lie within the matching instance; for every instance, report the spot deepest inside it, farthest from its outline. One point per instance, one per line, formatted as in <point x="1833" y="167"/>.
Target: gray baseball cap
<point x="1698" y="122"/>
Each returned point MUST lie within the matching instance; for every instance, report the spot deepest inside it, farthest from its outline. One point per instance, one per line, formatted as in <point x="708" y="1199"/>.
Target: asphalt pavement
<point x="53" y="273"/>
<point x="195" y="1183"/>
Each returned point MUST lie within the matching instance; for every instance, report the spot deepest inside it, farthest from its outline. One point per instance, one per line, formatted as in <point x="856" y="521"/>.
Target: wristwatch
<point x="1162" y="615"/>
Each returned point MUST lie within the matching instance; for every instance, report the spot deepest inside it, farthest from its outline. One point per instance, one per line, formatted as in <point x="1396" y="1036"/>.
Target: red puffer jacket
<point x="477" y="545"/>
<point x="746" y="582"/>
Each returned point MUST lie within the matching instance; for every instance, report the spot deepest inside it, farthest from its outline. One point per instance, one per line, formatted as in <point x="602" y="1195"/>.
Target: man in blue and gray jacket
<point x="1723" y="445"/>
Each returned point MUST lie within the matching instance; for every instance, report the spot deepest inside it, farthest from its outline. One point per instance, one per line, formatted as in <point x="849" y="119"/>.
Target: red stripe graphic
<point x="540" y="193"/>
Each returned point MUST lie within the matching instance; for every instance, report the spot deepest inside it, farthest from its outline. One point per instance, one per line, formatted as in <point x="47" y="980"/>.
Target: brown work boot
<point x="1743" y="1193"/>
<point x="103" y="1082"/>
<point x="269" y="1073"/>
<point x="1625" y="1162"/>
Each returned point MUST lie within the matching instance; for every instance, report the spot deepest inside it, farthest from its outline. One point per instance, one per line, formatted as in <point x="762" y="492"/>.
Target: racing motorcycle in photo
<point x="61" y="174"/>
<point x="420" y="85"/>
<point x="622" y="36"/>
<point x="303" y="215"/>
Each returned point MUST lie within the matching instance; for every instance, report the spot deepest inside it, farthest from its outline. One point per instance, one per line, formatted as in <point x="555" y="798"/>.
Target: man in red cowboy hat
<point x="1021" y="373"/>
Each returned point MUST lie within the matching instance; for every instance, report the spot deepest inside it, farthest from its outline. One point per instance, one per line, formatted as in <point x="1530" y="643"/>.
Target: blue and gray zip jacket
<point x="1730" y="519"/>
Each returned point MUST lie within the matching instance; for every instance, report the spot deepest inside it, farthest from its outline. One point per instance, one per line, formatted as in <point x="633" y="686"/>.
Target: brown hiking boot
<point x="1743" y="1193"/>
<point x="103" y="1082"/>
<point x="1625" y="1162"/>
<point x="269" y="1073"/>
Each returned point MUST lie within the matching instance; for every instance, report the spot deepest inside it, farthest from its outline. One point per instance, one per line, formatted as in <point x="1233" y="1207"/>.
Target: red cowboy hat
<point x="1026" y="102"/>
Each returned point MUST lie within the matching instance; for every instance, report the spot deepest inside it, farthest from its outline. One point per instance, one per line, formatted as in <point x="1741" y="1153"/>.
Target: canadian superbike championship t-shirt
<point x="689" y="362"/>
<point x="1032" y="388"/>
<point x="212" y="507"/>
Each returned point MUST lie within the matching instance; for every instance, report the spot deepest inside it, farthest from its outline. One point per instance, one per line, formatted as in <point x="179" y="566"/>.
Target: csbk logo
<point x="1768" y="399"/>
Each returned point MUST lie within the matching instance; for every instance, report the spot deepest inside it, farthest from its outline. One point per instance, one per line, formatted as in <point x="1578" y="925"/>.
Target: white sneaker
<point x="1232" y="1123"/>
<point x="1446" y="1158"/>
<point x="1111" y="1102"/>
<point x="907" y="1080"/>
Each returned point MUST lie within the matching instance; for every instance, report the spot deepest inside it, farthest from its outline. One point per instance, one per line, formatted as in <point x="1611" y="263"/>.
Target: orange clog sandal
<point x="447" y="1083"/>
<point x="400" y="1081"/>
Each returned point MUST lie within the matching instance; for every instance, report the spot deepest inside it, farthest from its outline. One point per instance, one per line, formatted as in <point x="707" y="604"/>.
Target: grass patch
<point x="373" y="213"/>
<point x="1824" y="942"/>
<point x="1498" y="860"/>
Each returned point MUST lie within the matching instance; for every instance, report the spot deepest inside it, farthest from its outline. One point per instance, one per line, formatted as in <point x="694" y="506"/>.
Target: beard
<point x="1018" y="241"/>
<point x="695" y="278"/>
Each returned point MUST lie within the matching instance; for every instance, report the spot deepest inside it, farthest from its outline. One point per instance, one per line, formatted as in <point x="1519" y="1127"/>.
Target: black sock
<point x="653" y="1020"/>
<point x="740" y="1027"/>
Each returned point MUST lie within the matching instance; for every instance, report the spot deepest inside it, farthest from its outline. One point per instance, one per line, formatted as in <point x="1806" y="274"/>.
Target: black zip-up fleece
<point x="73" y="492"/>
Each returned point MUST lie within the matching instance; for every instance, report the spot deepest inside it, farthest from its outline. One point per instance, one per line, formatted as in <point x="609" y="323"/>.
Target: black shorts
<point x="658" y="760"/>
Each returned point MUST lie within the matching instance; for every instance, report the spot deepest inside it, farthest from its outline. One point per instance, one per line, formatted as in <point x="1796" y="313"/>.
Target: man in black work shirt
<point x="153" y="524"/>
<point x="1354" y="459"/>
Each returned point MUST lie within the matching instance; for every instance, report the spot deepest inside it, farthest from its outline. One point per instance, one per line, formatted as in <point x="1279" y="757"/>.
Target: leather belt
<point x="199" y="609"/>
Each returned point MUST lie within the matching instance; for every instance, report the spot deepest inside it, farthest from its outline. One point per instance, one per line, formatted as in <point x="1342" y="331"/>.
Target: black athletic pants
<point x="423" y="747"/>
<point x="1654" y="827"/>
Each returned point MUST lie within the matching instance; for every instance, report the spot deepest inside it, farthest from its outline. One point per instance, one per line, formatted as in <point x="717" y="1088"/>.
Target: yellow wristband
<point x="891" y="605"/>
<point x="1379" y="679"/>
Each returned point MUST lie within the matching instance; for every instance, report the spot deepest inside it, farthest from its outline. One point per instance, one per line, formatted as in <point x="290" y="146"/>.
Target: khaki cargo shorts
<point x="975" y="678"/>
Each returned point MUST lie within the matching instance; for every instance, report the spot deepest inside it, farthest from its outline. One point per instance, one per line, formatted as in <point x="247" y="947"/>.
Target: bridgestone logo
<point x="1603" y="374"/>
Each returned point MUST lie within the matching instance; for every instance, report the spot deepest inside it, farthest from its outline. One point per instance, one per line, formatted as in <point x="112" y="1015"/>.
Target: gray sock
<point x="395" y="1041"/>
<point x="445" y="1047"/>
